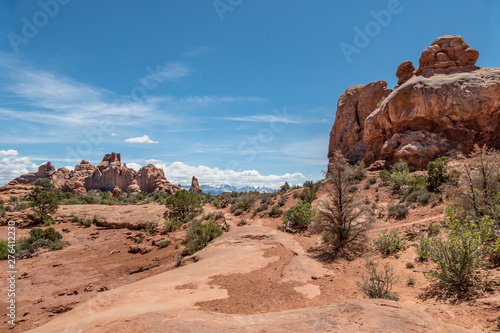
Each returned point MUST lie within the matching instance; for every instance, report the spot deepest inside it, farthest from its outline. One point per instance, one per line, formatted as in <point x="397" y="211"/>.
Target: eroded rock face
<point x="109" y="175"/>
<point x="444" y="107"/>
<point x="195" y="186"/>
<point x="354" y="105"/>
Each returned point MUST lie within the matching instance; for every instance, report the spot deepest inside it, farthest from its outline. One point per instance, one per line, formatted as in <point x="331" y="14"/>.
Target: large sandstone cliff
<point x="108" y="175"/>
<point x="443" y="107"/>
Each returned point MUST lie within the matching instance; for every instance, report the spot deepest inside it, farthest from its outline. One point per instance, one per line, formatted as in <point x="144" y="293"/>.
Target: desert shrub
<point x="51" y="234"/>
<point x="238" y="212"/>
<point x="433" y="230"/>
<point x="379" y="283"/>
<point x="171" y="225"/>
<point x="410" y="265"/>
<point x="219" y="215"/>
<point x="299" y="216"/>
<point x="309" y="192"/>
<point x="4" y="249"/>
<point x="399" y="175"/>
<point x="89" y="200"/>
<point x="357" y="172"/>
<point x="284" y="188"/>
<point x="371" y="180"/>
<point x="275" y="211"/>
<point x="423" y="249"/>
<point x="264" y="206"/>
<point x="416" y="183"/>
<point x="340" y="214"/>
<point x="149" y="227"/>
<point x="459" y="258"/>
<point x="163" y="243"/>
<point x="479" y="193"/>
<point x="183" y="206"/>
<point x="385" y="176"/>
<point x="397" y="211"/>
<point x="424" y="198"/>
<point x="353" y="189"/>
<point x="437" y="174"/>
<point x="43" y="199"/>
<point x="390" y="243"/>
<point x="410" y="281"/>
<point x="48" y="238"/>
<point x="282" y="201"/>
<point x="88" y="222"/>
<point x="199" y="235"/>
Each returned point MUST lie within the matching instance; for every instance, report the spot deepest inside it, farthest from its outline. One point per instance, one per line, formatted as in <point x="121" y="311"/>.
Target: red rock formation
<point x="117" y="192"/>
<point x="195" y="186"/>
<point x="108" y="175"/>
<point x="445" y="106"/>
<point x="354" y="105"/>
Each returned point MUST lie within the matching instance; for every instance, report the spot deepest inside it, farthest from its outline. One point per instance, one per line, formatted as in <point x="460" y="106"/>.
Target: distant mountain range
<point x="228" y="188"/>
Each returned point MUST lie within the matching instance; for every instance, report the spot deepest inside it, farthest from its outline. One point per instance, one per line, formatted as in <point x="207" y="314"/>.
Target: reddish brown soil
<point x="54" y="282"/>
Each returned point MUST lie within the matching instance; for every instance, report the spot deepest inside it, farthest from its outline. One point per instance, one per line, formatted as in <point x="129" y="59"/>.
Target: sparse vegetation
<point x="183" y="206"/>
<point x="340" y="214"/>
<point x="397" y="211"/>
<point x="275" y="211"/>
<point x="44" y="200"/>
<point x="309" y="192"/>
<point x="149" y="227"/>
<point x="437" y="174"/>
<point x="199" y="235"/>
<point x="171" y="225"/>
<point x="460" y="257"/>
<point x="4" y="249"/>
<point x="48" y="238"/>
<point x="390" y="243"/>
<point x="379" y="283"/>
<point x="299" y="216"/>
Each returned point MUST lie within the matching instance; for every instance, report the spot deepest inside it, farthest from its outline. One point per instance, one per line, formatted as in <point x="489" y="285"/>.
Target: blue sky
<point x="237" y="92"/>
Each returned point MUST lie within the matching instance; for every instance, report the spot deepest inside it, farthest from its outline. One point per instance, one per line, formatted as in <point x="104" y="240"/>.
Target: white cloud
<point x="134" y="166"/>
<point x="8" y="153"/>
<point x="12" y="167"/>
<point x="153" y="161"/>
<point x="180" y="173"/>
<point x="114" y="134"/>
<point x="70" y="168"/>
<point x="142" y="139"/>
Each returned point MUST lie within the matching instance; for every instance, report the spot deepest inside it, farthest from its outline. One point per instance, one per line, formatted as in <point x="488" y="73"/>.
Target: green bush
<point x="183" y="206"/>
<point x="390" y="243"/>
<point x="282" y="201"/>
<point x="88" y="200"/>
<point x="149" y="227"/>
<point x="437" y="174"/>
<point x="171" y="225"/>
<point x="284" y="188"/>
<point x="43" y="199"/>
<point x="459" y="258"/>
<point x="309" y="192"/>
<point x="276" y="211"/>
<point x="379" y="283"/>
<point x="299" y="216"/>
<point x="385" y="176"/>
<point x="4" y="249"/>
<point x="199" y="235"/>
<point x="397" y="211"/>
<point x="51" y="234"/>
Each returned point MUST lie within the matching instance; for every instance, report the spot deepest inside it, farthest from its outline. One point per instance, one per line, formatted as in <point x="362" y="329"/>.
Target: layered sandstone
<point x="443" y="107"/>
<point x="108" y="175"/>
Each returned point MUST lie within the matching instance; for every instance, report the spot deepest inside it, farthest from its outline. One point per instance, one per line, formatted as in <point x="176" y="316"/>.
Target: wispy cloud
<point x="198" y="51"/>
<point x="264" y="118"/>
<point x="142" y="139"/>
